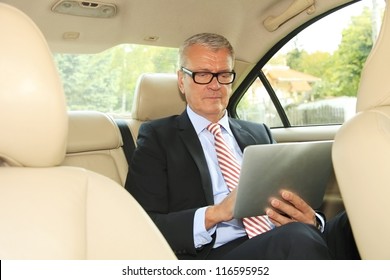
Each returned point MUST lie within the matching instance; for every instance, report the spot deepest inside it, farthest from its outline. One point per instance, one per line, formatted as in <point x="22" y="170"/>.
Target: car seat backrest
<point x="49" y="211"/>
<point x="95" y="143"/>
<point x="361" y="153"/>
<point x="156" y="96"/>
<point x="94" y="140"/>
<point x="33" y="115"/>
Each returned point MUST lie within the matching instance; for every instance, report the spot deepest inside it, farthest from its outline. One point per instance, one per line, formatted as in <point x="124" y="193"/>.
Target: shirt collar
<point x="200" y="123"/>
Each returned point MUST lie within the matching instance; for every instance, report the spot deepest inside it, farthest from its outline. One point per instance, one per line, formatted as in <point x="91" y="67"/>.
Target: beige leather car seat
<point x="49" y="211"/>
<point x="361" y="154"/>
<point x="95" y="143"/>
<point x="156" y="96"/>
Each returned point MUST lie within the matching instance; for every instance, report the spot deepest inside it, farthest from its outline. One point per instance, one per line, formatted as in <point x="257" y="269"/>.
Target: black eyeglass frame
<point x="216" y="75"/>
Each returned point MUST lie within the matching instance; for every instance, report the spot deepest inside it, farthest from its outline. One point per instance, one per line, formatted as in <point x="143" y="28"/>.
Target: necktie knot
<point x="214" y="128"/>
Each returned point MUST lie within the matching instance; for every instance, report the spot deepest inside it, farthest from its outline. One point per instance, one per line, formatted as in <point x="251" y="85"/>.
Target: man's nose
<point x="214" y="83"/>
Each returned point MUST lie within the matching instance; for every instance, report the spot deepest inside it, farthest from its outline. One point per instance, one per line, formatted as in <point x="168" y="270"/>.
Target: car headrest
<point x="157" y="95"/>
<point x="33" y="123"/>
<point x="92" y="131"/>
<point x="374" y="89"/>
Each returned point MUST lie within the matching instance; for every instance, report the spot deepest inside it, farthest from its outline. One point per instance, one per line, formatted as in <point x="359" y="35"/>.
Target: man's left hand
<point x="291" y="208"/>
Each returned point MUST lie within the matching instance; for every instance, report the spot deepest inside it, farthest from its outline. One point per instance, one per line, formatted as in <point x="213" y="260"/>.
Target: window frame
<point x="257" y="72"/>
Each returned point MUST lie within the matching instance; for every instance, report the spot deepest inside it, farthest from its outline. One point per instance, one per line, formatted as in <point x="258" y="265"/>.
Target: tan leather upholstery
<point x="95" y="143"/>
<point x="156" y="96"/>
<point x="361" y="154"/>
<point x="33" y="119"/>
<point x="49" y="211"/>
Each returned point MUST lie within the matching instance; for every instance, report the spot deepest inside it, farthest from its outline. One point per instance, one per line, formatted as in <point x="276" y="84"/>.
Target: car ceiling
<point x="168" y="23"/>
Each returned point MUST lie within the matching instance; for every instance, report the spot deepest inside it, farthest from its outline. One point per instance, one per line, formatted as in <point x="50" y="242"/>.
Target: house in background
<point x="291" y="86"/>
<point x="295" y="91"/>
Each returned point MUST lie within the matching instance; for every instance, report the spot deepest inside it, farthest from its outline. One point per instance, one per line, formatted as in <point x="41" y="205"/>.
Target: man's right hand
<point x="221" y="212"/>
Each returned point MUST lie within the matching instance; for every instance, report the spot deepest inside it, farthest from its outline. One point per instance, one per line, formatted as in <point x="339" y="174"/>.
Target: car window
<point x="315" y="76"/>
<point x="106" y="81"/>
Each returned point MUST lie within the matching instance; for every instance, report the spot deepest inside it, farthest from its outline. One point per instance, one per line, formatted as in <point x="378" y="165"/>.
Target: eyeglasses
<point x="204" y="78"/>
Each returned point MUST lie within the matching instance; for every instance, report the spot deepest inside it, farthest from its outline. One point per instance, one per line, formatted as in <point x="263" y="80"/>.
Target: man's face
<point x="210" y="100"/>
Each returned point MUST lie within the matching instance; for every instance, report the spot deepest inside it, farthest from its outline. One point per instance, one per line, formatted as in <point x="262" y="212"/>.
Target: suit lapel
<point x="242" y="137"/>
<point x="191" y="141"/>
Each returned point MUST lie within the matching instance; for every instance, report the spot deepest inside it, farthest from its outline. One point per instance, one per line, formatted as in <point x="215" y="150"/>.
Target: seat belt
<point x="127" y="138"/>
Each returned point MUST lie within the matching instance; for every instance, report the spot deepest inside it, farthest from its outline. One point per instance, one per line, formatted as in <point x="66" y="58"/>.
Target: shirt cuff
<point x="201" y="235"/>
<point x="321" y="222"/>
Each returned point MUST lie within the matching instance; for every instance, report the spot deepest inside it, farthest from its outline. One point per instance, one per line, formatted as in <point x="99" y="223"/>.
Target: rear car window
<point x="316" y="75"/>
<point x="106" y="81"/>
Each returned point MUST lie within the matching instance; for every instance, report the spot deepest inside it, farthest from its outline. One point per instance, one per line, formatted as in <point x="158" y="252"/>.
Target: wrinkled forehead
<point x="203" y="57"/>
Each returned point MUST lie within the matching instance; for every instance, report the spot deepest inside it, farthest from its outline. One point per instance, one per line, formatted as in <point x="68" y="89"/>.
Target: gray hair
<point x="212" y="41"/>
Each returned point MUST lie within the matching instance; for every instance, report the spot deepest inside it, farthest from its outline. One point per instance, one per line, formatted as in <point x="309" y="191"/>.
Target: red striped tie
<point x="231" y="171"/>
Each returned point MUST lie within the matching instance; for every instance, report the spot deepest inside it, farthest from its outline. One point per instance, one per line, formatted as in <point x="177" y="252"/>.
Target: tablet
<point x="302" y="167"/>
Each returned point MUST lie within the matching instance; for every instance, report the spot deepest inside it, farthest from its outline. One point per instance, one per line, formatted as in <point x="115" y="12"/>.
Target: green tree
<point x="87" y="82"/>
<point x="294" y="59"/>
<point x="106" y="81"/>
<point x="349" y="58"/>
<point x="339" y="72"/>
<point x="317" y="64"/>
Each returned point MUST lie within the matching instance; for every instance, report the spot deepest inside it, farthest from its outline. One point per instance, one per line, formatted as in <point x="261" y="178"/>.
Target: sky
<point x="336" y="22"/>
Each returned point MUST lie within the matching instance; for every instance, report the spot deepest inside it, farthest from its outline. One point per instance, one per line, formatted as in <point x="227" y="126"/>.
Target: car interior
<point x="63" y="166"/>
<point x="51" y="211"/>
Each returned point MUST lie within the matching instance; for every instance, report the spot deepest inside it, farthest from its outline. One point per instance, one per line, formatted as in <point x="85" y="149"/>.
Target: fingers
<point x="295" y="200"/>
<point x="277" y="218"/>
<point x="289" y="209"/>
<point x="222" y="211"/>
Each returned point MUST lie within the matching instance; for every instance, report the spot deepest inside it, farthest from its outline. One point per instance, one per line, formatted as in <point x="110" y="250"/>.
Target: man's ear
<point x="180" y="81"/>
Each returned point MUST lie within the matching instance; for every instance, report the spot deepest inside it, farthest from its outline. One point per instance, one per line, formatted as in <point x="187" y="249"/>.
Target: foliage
<point x="340" y="71"/>
<point x="352" y="54"/>
<point x="106" y="81"/>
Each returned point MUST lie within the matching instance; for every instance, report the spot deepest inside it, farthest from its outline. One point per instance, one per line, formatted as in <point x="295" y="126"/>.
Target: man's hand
<point x="221" y="212"/>
<point x="291" y="208"/>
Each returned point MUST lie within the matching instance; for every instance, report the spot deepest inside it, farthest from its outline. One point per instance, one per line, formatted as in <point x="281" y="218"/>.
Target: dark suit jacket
<point x="169" y="177"/>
